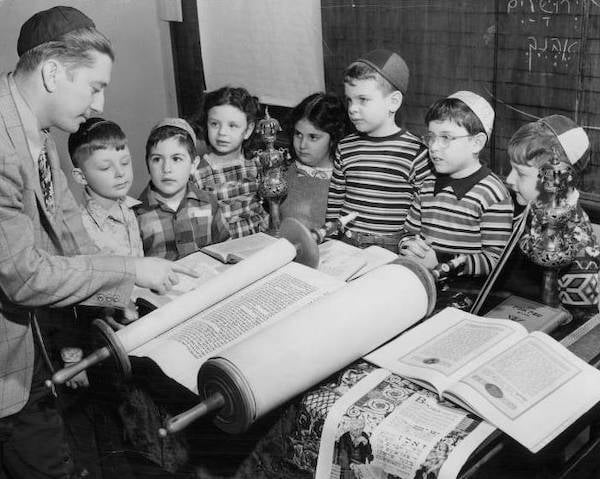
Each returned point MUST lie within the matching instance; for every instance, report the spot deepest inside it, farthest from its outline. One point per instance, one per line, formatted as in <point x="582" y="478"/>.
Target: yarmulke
<point x="49" y="25"/>
<point x="478" y="105"/>
<point x="82" y="135"/>
<point x="177" y="123"/>
<point x="572" y="138"/>
<point x="390" y="66"/>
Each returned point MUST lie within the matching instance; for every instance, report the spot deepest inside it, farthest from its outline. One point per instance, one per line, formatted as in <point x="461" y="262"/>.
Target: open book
<point x="235" y="250"/>
<point x="526" y="384"/>
<point x="340" y="259"/>
<point x="336" y="258"/>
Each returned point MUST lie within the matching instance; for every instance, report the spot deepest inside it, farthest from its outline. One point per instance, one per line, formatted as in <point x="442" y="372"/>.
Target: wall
<point x="142" y="90"/>
<point x="530" y="58"/>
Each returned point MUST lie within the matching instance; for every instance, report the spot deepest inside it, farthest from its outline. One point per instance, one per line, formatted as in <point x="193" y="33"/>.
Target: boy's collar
<point x="128" y="201"/>
<point x="151" y="198"/>
<point x="217" y="163"/>
<point x="460" y="186"/>
<point x="100" y="214"/>
<point x="400" y="131"/>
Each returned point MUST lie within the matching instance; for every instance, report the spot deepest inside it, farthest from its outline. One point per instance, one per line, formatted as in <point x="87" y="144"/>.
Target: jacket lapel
<point x="9" y="115"/>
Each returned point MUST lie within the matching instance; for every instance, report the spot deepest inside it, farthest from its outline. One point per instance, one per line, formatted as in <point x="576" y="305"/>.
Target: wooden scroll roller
<point x="252" y="377"/>
<point x="296" y="243"/>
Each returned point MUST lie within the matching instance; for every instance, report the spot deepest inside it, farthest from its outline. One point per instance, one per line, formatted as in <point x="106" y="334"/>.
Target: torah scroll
<point x="262" y="372"/>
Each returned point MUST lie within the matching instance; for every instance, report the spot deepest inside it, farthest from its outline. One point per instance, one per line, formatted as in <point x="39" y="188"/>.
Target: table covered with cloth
<point x="285" y="443"/>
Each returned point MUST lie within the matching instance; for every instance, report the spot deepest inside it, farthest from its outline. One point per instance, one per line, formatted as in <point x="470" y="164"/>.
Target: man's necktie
<point x="46" y="179"/>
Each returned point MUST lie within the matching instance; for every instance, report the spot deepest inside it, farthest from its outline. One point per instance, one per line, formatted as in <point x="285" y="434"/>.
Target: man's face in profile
<point x="79" y="91"/>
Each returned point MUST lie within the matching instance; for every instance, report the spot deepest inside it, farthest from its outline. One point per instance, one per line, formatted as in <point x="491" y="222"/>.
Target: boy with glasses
<point x="464" y="209"/>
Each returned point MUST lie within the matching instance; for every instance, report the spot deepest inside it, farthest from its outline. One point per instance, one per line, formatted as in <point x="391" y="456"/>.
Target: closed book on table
<point x="534" y="316"/>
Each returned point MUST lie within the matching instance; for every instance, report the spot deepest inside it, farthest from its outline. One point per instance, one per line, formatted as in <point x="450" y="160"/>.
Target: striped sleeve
<point x="420" y="169"/>
<point x="337" y="188"/>
<point x="412" y="225"/>
<point x="496" y="227"/>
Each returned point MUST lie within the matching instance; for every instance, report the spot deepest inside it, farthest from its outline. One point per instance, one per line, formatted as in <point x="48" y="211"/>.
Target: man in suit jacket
<point x="48" y="264"/>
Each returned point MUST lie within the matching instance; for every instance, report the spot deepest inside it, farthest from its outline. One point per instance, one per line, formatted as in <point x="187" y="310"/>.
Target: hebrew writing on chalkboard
<point x="529" y="58"/>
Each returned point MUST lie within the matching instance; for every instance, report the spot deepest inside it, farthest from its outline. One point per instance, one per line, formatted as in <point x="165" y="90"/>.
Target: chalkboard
<point x="530" y="58"/>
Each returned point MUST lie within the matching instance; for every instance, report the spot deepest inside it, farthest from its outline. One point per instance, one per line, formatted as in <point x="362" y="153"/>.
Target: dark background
<point x="529" y="58"/>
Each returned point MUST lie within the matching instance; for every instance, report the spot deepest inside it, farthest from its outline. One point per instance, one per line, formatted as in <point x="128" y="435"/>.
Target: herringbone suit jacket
<point x="47" y="261"/>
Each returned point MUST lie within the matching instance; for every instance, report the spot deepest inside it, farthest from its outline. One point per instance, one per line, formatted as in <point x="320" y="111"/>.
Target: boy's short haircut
<point x="455" y="110"/>
<point x="95" y="134"/>
<point x="535" y="144"/>
<point x="362" y="71"/>
<point x="165" y="132"/>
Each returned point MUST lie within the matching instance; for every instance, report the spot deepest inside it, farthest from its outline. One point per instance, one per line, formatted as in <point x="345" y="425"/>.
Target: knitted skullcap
<point x="177" y="123"/>
<point x="49" y="25"/>
<point x="479" y="106"/>
<point x="572" y="138"/>
<point x="390" y="66"/>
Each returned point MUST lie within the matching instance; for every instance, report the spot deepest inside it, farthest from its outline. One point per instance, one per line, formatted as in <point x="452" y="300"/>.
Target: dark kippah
<point x="390" y="66"/>
<point x="49" y="25"/>
<point x="82" y="135"/>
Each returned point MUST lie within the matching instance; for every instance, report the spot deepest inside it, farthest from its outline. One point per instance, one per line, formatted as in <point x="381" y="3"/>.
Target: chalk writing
<point x="558" y="51"/>
<point x="552" y="31"/>
<point x="543" y="6"/>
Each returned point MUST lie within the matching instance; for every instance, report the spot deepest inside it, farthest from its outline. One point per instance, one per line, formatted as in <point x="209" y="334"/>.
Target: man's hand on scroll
<point x="118" y="319"/>
<point x="159" y="274"/>
<point x="418" y="250"/>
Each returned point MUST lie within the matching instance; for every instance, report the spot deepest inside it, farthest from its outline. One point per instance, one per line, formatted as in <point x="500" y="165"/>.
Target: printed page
<point x="446" y="346"/>
<point x="212" y="291"/>
<point x="532" y="391"/>
<point x="385" y="426"/>
<point x="232" y="251"/>
<point x="340" y="259"/>
<point x="182" y="350"/>
<point x="375" y="256"/>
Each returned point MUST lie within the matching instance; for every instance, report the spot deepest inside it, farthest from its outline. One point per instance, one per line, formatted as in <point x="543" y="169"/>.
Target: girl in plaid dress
<point x="229" y="117"/>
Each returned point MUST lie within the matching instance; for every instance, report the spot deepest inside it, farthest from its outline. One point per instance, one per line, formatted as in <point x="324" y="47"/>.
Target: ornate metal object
<point x="550" y="241"/>
<point x="273" y="184"/>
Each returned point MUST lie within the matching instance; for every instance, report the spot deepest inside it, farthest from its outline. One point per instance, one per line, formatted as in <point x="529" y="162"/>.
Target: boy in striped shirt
<point x="464" y="209"/>
<point x="378" y="169"/>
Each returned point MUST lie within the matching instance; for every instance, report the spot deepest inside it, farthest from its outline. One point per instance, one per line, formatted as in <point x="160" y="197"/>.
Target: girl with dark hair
<point x="315" y="126"/>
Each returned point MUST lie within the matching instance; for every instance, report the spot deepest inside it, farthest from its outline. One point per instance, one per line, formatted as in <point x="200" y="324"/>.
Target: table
<point x="285" y="443"/>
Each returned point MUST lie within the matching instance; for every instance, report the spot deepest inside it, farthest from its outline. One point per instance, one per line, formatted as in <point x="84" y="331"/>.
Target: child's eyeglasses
<point x="445" y="140"/>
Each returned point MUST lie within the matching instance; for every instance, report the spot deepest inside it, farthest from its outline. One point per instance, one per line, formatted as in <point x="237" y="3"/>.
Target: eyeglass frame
<point x="444" y="143"/>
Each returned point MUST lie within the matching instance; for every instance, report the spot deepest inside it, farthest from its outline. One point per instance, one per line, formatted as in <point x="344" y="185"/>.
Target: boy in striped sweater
<point x="378" y="169"/>
<point x="463" y="209"/>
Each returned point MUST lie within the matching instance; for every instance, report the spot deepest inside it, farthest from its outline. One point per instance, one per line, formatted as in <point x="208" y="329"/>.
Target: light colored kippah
<point x="478" y="105"/>
<point x="572" y="138"/>
<point x="177" y="123"/>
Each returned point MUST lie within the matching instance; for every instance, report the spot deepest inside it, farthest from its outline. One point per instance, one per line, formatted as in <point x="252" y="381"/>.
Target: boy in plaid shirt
<point x="175" y="217"/>
<point x="229" y="118"/>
